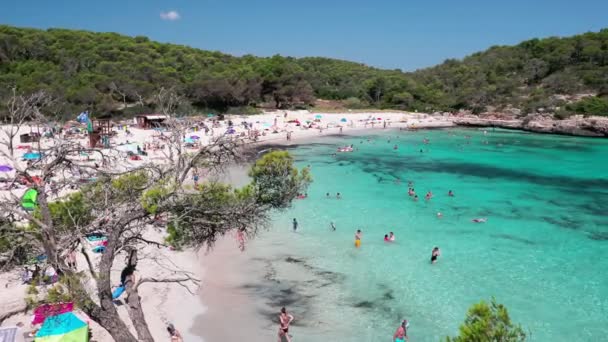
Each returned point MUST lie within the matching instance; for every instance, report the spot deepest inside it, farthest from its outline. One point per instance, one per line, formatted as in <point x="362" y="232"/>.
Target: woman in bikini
<point x="284" y="321"/>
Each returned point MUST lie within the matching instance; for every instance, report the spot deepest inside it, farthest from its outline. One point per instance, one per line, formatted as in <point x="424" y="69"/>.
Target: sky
<point x="390" y="34"/>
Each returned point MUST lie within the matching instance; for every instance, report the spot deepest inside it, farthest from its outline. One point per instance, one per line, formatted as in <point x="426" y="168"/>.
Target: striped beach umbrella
<point x="65" y="327"/>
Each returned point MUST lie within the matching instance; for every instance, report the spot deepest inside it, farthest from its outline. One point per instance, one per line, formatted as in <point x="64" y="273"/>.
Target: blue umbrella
<point x="194" y="137"/>
<point x="189" y="141"/>
<point x="318" y="116"/>
<point x="32" y="156"/>
<point x="343" y="120"/>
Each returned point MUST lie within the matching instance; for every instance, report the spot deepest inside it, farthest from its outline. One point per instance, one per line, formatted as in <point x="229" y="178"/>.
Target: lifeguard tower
<point x="100" y="131"/>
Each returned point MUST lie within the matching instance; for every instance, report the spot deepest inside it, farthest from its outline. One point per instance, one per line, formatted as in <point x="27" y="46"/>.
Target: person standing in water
<point x="358" y="235"/>
<point x="333" y="226"/>
<point x="284" y="320"/>
<point x="295" y="224"/>
<point x="401" y="333"/>
<point x="435" y="254"/>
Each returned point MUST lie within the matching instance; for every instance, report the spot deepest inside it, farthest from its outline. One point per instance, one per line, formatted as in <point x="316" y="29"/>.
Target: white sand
<point x="219" y="270"/>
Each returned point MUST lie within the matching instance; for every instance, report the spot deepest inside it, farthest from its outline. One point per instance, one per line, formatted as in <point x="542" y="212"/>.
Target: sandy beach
<point x="221" y="308"/>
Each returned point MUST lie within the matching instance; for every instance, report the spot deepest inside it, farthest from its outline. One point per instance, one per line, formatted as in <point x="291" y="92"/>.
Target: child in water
<point x="358" y="238"/>
<point x="435" y="254"/>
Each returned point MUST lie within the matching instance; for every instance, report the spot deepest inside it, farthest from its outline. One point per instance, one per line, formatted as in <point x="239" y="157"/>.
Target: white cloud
<point x="171" y="15"/>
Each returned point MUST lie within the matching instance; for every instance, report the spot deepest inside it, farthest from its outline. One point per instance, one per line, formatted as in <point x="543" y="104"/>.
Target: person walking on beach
<point x="284" y="320"/>
<point x="401" y="333"/>
<point x="295" y="224"/>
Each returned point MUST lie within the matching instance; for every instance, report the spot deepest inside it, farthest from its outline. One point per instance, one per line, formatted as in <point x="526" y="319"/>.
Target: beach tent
<point x="28" y="202"/>
<point x="65" y="327"/>
<point x="189" y="141"/>
<point x="5" y="168"/>
<point x="343" y="120"/>
<point x="47" y="310"/>
<point x="318" y="116"/>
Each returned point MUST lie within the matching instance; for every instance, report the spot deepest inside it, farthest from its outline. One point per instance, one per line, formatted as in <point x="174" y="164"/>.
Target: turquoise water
<point x="541" y="251"/>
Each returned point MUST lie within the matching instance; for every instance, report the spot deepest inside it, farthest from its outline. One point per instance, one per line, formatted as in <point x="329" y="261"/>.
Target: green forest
<point x="109" y="73"/>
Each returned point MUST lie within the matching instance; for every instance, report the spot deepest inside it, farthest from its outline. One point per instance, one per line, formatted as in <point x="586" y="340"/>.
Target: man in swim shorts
<point x="435" y="254"/>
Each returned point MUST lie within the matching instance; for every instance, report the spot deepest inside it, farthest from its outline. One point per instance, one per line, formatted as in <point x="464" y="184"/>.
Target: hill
<point x="108" y="72"/>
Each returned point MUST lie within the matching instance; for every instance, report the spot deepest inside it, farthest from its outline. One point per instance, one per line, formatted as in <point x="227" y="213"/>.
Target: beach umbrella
<point x="343" y="120"/>
<point x="65" y="327"/>
<point x="210" y="115"/>
<point x="189" y="141"/>
<point x="195" y="137"/>
<point x="28" y="202"/>
<point x="318" y="116"/>
<point x="31" y="156"/>
<point x="5" y="168"/>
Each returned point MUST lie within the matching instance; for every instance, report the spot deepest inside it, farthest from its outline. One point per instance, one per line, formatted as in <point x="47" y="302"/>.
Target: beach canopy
<point x="5" y="168"/>
<point x="32" y="156"/>
<point x="48" y="310"/>
<point x="189" y="141"/>
<point x="194" y="137"/>
<point x="343" y="120"/>
<point x="318" y="116"/>
<point x="29" y="199"/>
<point x="65" y="327"/>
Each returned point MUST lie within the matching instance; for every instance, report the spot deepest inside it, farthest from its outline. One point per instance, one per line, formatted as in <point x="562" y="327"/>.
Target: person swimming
<point x="386" y="238"/>
<point x="333" y="226"/>
<point x="327" y="195"/>
<point x="416" y="198"/>
<point x="358" y="235"/>
<point x="295" y="224"/>
<point x="451" y="193"/>
<point x="428" y="196"/>
<point x="435" y="254"/>
<point x="479" y="220"/>
<point x="338" y="196"/>
<point x="439" y="215"/>
<point x="395" y="147"/>
<point x="391" y="237"/>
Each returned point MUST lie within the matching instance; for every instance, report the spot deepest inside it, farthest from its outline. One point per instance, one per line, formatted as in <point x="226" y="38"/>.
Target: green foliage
<point x="276" y="181"/>
<point x="69" y="212"/>
<point x="593" y="105"/>
<point x="488" y="323"/>
<point x="105" y="71"/>
<point x="152" y="198"/>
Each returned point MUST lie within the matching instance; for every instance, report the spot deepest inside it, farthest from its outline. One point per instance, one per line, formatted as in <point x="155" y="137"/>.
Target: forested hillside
<point x="108" y="72"/>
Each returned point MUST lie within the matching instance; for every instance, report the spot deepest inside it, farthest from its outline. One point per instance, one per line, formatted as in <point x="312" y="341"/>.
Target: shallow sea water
<point x="541" y="251"/>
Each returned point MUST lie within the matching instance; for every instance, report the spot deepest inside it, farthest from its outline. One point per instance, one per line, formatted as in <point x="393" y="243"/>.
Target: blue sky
<point x="384" y="33"/>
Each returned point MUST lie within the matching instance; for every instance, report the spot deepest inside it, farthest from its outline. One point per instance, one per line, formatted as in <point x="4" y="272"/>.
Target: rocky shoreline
<point x="576" y="125"/>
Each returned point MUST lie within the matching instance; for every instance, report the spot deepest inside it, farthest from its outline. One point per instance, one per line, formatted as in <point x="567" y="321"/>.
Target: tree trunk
<point x="136" y="312"/>
<point x="108" y="318"/>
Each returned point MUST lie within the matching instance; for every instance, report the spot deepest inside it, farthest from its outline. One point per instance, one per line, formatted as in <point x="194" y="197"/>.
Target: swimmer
<point x="451" y="193"/>
<point x="401" y="333"/>
<point x="358" y="235"/>
<point x="327" y="195"/>
<point x="295" y="224"/>
<point x="386" y="238"/>
<point x="435" y="254"/>
<point x="428" y="196"/>
<point x="338" y="196"/>
<point x="439" y="215"/>
<point x="416" y="198"/>
<point x="479" y="220"/>
<point x="395" y="147"/>
<point x="391" y="237"/>
<point x="332" y="226"/>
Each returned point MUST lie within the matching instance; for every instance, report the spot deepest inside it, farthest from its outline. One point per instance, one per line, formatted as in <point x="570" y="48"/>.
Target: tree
<point x="123" y="204"/>
<point x="20" y="110"/>
<point x="488" y="323"/>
